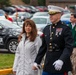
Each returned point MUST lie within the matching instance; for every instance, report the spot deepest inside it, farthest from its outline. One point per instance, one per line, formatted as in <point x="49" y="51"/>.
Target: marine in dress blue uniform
<point x="57" y="44"/>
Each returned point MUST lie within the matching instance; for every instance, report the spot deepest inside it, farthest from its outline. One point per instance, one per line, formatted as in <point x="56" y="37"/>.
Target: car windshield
<point x="40" y="20"/>
<point x="41" y="14"/>
<point x="66" y="16"/>
<point x="23" y="14"/>
<point x="33" y="7"/>
<point x="8" y="24"/>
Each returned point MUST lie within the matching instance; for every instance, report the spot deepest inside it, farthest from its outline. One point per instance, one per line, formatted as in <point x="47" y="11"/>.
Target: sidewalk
<point x="5" y="71"/>
<point x="9" y="72"/>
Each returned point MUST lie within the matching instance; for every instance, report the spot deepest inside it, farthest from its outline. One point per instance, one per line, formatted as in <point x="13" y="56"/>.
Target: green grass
<point x="6" y="61"/>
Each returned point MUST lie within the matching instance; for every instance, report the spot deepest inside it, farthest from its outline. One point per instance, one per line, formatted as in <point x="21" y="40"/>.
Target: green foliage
<point x="41" y="2"/>
<point x="6" y="61"/>
<point x="26" y="1"/>
<point x="4" y="3"/>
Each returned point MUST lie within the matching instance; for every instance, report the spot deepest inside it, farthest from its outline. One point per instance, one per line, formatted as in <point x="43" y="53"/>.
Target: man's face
<point x="55" y="17"/>
<point x="72" y="19"/>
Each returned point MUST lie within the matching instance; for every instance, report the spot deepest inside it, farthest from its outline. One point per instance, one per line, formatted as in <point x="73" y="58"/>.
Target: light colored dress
<point x="25" y="55"/>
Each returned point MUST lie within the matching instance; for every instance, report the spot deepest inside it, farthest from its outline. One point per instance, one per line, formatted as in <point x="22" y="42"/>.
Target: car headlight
<point x="15" y="33"/>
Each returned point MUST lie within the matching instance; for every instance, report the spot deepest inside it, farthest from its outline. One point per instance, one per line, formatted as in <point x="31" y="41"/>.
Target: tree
<point x="26" y="1"/>
<point x="42" y="2"/>
<point x="4" y="3"/>
<point x="34" y="2"/>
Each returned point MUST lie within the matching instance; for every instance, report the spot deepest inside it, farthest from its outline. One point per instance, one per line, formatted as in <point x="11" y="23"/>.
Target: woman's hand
<point x="14" y="72"/>
<point x="34" y="68"/>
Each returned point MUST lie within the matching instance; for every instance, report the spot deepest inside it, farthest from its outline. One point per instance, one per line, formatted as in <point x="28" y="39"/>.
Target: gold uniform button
<point x="51" y="38"/>
<point x="51" y="32"/>
<point x="50" y="46"/>
<point x="53" y="27"/>
<point x="49" y="43"/>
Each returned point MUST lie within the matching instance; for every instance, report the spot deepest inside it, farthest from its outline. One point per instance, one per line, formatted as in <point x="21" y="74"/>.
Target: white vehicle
<point x="41" y="14"/>
<point x="41" y="21"/>
<point x="66" y="18"/>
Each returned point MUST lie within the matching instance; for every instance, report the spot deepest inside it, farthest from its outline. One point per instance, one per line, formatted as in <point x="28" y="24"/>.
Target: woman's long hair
<point x="33" y="33"/>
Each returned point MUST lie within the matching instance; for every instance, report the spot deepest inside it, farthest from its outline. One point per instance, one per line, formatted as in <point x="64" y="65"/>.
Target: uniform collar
<point x="72" y="23"/>
<point x="56" y="23"/>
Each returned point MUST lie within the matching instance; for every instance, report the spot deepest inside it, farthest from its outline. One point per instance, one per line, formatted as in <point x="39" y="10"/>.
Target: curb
<point x="5" y="71"/>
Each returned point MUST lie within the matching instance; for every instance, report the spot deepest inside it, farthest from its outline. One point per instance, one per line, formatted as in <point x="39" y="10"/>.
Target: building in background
<point x="61" y="3"/>
<point x="17" y="2"/>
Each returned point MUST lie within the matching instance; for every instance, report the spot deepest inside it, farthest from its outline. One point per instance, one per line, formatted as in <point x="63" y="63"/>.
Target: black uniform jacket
<point x="57" y="43"/>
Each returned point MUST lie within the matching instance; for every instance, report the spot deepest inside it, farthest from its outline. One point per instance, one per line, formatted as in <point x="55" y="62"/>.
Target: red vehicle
<point x="18" y="8"/>
<point x="42" y="8"/>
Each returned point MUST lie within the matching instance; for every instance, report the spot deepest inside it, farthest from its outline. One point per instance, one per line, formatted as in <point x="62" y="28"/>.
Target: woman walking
<point x="27" y="49"/>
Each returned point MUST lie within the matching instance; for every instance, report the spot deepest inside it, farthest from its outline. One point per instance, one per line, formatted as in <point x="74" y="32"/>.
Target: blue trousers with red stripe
<point x="46" y="73"/>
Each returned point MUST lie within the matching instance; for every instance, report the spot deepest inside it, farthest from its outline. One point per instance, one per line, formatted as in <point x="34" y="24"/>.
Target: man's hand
<point x="58" y="64"/>
<point x="14" y="72"/>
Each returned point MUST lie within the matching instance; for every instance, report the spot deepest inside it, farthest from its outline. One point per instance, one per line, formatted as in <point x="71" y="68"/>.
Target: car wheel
<point x="12" y="45"/>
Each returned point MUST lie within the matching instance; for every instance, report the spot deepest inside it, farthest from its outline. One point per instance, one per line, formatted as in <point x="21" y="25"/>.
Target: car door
<point x="1" y="36"/>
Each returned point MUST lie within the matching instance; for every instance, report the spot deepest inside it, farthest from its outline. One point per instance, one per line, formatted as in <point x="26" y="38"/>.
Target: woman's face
<point x="28" y="29"/>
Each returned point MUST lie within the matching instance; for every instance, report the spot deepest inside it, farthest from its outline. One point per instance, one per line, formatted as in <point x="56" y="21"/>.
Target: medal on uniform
<point x="58" y="31"/>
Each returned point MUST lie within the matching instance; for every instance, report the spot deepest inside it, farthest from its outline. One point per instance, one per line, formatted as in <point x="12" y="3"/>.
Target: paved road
<point x="69" y="73"/>
<point x="4" y="51"/>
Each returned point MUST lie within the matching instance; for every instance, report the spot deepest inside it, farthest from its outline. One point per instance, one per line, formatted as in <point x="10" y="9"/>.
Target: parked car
<point x="66" y="18"/>
<point x="26" y="8"/>
<point x="9" y="10"/>
<point x="2" y="12"/>
<point x="23" y="15"/>
<point x="66" y="11"/>
<point x="9" y="35"/>
<point x="18" y="8"/>
<point x="41" y="14"/>
<point x="41" y="21"/>
<point x="33" y="9"/>
<point x="42" y="8"/>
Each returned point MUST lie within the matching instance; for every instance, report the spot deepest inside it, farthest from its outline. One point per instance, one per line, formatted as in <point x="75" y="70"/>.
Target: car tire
<point x="12" y="45"/>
